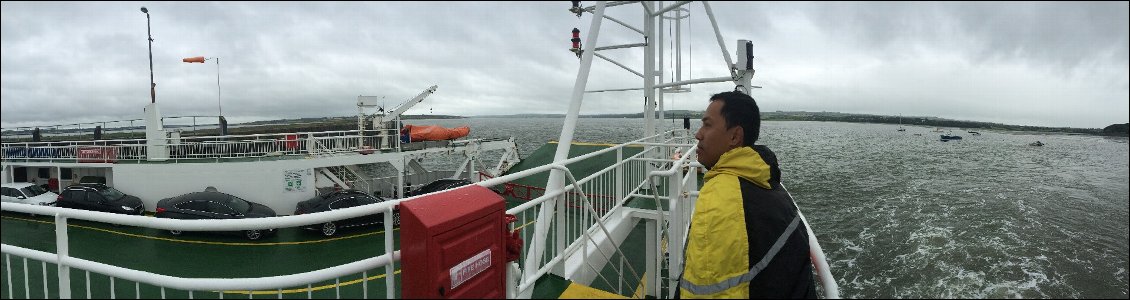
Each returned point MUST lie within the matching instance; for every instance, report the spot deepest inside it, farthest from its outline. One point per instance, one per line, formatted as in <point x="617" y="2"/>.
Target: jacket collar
<point x="748" y="164"/>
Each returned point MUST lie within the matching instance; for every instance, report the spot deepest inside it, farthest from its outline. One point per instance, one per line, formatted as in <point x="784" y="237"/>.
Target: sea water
<point x="901" y="214"/>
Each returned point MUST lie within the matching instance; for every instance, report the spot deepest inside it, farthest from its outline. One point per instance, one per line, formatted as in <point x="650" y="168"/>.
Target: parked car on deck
<point x="212" y="204"/>
<point x="438" y="185"/>
<point x="100" y="197"/>
<point x="340" y="200"/>
<point x="27" y="193"/>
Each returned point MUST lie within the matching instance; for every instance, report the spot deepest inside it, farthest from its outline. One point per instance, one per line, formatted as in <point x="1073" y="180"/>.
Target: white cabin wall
<point x="260" y="182"/>
<point x="78" y="173"/>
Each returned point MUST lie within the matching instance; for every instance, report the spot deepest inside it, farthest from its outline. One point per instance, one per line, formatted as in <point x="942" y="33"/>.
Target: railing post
<point x="311" y="144"/>
<point x="399" y="127"/>
<point x="513" y="277"/>
<point x="650" y="257"/>
<point x="400" y="169"/>
<point x="390" y="291"/>
<point x="675" y="226"/>
<point x="560" y="224"/>
<point x="620" y="175"/>
<point x="62" y="253"/>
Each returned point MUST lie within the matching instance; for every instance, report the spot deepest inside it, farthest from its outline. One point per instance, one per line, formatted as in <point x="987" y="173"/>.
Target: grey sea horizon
<point x="902" y="215"/>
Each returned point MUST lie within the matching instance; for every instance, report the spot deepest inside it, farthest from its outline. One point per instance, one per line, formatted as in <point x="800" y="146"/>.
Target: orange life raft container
<point x="435" y="133"/>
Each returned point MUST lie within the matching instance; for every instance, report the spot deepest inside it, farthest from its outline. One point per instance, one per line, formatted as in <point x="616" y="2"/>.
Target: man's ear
<point x="737" y="137"/>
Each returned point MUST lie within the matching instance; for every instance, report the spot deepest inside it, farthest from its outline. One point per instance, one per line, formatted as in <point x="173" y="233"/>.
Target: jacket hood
<point x="757" y="164"/>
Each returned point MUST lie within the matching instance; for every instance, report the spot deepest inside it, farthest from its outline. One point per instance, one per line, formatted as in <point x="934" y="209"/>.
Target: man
<point x="746" y="239"/>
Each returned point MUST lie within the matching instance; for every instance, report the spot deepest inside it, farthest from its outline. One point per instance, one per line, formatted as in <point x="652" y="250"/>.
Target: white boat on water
<point x="615" y="230"/>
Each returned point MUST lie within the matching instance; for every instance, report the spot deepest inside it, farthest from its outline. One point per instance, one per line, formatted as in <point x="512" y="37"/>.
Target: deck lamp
<point x="148" y="31"/>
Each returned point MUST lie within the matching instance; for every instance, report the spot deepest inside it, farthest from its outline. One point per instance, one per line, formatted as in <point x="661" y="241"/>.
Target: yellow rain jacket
<point x="746" y="239"/>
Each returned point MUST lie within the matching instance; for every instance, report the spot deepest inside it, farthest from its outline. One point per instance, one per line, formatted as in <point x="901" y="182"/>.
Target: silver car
<point x="27" y="193"/>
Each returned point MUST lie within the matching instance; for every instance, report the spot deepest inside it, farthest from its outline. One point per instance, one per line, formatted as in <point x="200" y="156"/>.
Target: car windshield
<point x="238" y="205"/>
<point x="111" y="194"/>
<point x="34" y="190"/>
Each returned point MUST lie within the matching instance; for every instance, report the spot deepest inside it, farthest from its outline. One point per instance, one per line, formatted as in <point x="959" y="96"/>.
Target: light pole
<point x="201" y="59"/>
<point x="152" y="85"/>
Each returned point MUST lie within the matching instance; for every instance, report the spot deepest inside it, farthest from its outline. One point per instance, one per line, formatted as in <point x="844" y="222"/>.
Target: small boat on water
<point x="946" y="138"/>
<point x="1036" y="144"/>
<point x="974" y="133"/>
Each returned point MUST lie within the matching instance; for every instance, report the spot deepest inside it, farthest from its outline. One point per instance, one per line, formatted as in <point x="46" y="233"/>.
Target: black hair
<point x="740" y="110"/>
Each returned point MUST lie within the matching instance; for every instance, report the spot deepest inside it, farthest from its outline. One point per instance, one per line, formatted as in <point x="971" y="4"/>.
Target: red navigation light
<point x="576" y="38"/>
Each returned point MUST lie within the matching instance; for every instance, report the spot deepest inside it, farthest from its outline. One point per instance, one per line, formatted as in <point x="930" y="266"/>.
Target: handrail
<point x="206" y="225"/>
<point x="284" y="221"/>
<point x="512" y="177"/>
<point x="210" y="284"/>
<point x="819" y="260"/>
<point x="524" y="285"/>
<point x="272" y="222"/>
<point x="78" y="126"/>
<point x="196" y="148"/>
<point x="595" y="221"/>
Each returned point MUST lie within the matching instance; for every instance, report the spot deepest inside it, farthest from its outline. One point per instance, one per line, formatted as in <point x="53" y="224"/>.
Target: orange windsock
<point x="198" y="59"/>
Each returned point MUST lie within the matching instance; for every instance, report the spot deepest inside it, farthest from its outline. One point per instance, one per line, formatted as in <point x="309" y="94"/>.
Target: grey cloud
<point x="76" y="62"/>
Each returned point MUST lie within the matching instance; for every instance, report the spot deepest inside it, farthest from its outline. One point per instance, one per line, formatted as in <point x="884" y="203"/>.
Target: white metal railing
<point x="677" y="184"/>
<point x="205" y="148"/>
<point x="581" y="208"/>
<point x="185" y="124"/>
<point x="65" y="262"/>
<point x="588" y="204"/>
<point x="596" y="197"/>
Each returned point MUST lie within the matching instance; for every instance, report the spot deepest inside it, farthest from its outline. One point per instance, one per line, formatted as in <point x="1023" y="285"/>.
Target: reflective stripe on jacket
<point x="745" y="239"/>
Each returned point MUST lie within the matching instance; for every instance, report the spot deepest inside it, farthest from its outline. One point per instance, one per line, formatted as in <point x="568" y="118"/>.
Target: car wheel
<point x="329" y="229"/>
<point x="253" y="234"/>
<point x="176" y="232"/>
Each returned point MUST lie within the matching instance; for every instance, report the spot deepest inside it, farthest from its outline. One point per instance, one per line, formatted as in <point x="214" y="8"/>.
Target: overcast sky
<point x="1045" y="64"/>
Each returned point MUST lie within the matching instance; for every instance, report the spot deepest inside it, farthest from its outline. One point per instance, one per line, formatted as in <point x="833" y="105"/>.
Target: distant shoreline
<point x="858" y="118"/>
<point x="350" y="123"/>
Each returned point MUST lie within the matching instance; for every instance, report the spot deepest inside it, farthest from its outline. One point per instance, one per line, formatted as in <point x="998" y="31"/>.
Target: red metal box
<point x="452" y="245"/>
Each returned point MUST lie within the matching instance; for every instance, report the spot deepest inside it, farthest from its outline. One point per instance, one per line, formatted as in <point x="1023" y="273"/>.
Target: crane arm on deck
<point x="407" y="105"/>
<point x="380" y="118"/>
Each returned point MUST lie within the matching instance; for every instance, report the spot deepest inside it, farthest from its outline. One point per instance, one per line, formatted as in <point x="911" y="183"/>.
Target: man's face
<point x="713" y="137"/>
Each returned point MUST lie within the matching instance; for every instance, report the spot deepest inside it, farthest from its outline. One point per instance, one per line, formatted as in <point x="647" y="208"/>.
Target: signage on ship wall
<point x="469" y="268"/>
<point x="97" y="154"/>
<point x="295" y="180"/>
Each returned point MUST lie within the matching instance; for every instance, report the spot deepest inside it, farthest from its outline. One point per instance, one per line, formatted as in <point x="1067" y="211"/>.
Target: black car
<point x="100" y="197"/>
<point x="339" y="200"/>
<point x="438" y="185"/>
<point x="212" y="204"/>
